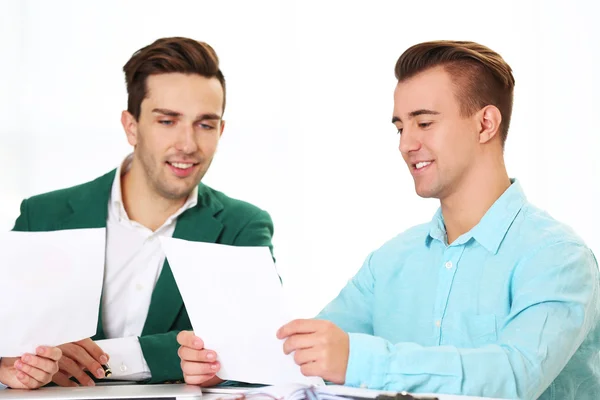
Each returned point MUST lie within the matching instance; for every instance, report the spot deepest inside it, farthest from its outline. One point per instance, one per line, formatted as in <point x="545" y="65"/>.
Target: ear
<point x="130" y="126"/>
<point x="222" y="128"/>
<point x="489" y="123"/>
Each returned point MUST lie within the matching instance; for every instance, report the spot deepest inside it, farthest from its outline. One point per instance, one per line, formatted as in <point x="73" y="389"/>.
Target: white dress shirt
<point x="134" y="261"/>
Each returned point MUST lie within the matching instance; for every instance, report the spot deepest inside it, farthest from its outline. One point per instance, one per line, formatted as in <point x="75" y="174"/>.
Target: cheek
<point x="208" y="143"/>
<point x="156" y="141"/>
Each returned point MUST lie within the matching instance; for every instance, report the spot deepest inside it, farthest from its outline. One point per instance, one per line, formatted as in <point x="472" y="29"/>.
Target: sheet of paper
<point x="50" y="287"/>
<point x="236" y="305"/>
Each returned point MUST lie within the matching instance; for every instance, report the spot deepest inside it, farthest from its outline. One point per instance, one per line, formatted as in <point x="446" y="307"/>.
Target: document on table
<point x="236" y="305"/>
<point x="50" y="287"/>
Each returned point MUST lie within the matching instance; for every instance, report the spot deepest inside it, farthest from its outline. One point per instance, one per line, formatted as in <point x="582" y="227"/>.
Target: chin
<point x="174" y="194"/>
<point x="426" y="192"/>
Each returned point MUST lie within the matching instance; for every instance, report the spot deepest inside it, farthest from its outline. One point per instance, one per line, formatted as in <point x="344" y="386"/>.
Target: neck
<point x="142" y="204"/>
<point x="464" y="208"/>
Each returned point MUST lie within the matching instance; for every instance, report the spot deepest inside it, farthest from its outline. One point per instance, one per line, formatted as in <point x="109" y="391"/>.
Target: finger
<point x="215" y="380"/>
<point x="46" y="365"/>
<point x="299" y="341"/>
<point x="188" y="339"/>
<point x="298" y="326"/>
<point x="197" y="379"/>
<point x="305" y="356"/>
<point x="187" y="354"/>
<point x="39" y="375"/>
<point x="62" y="379"/>
<point x="310" y="369"/>
<point x="80" y="356"/>
<point x="94" y="350"/>
<point x="52" y="353"/>
<point x="200" y="368"/>
<point x="72" y="369"/>
<point x="28" y="381"/>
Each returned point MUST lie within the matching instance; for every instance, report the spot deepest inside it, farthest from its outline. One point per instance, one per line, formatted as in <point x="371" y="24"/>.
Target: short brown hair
<point x="168" y="55"/>
<point x="481" y="76"/>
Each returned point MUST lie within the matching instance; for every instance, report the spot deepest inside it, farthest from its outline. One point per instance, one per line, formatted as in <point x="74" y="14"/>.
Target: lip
<point x="181" y="172"/>
<point x="416" y="171"/>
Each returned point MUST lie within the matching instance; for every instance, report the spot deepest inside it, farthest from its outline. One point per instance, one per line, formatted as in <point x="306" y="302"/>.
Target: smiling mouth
<point x="420" y="165"/>
<point x="182" y="165"/>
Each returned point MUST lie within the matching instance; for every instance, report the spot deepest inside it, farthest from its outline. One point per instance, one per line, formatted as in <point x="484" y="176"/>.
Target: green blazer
<point x="215" y="219"/>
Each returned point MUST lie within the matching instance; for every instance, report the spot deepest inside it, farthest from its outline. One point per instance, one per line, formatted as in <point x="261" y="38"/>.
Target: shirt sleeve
<point x="351" y="310"/>
<point x="555" y="305"/>
<point x="127" y="361"/>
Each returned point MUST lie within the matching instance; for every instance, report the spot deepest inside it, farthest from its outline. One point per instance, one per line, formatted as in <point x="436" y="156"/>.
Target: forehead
<point x="431" y="89"/>
<point x="186" y="93"/>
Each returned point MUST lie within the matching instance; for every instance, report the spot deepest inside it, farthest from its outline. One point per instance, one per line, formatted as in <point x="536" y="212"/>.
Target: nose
<point x="409" y="141"/>
<point x="186" y="140"/>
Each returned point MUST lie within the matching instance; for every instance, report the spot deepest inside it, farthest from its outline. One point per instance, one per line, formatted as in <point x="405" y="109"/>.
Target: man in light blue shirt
<point x="30" y="371"/>
<point x="493" y="297"/>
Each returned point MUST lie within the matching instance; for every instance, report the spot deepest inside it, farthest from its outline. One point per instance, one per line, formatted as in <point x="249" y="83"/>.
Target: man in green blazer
<point x="176" y="99"/>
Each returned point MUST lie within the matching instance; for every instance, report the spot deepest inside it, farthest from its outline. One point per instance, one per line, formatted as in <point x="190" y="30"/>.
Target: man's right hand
<point x="199" y="365"/>
<point x="76" y="359"/>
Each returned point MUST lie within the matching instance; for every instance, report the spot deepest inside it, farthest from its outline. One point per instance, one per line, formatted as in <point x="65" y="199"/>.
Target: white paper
<point x="236" y="305"/>
<point x="50" y="288"/>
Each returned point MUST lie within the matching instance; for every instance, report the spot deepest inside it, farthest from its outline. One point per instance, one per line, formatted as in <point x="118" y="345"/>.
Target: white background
<point x="308" y="134"/>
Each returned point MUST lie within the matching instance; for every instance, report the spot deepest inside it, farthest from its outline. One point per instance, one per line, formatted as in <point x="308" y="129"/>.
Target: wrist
<point x="3" y="371"/>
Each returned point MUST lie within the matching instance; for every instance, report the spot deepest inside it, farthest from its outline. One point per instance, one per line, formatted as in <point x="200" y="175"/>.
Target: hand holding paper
<point x="236" y="305"/>
<point x="199" y="365"/>
<point x="321" y="348"/>
<point x="30" y="371"/>
<point x="50" y="287"/>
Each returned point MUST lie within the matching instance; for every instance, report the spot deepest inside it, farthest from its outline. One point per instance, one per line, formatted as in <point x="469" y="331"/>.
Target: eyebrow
<point x="201" y="117"/>
<point x="416" y="113"/>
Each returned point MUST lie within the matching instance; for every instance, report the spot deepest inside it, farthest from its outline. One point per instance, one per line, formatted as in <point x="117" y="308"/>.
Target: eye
<point x="399" y="131"/>
<point x="165" y="122"/>
<point x="424" y="125"/>
<point x="206" y="126"/>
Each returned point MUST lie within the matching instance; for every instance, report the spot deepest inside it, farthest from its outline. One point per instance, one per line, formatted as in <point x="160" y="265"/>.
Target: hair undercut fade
<point x="481" y="76"/>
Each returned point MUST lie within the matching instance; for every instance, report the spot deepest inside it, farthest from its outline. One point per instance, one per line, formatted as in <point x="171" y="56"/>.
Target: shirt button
<point x="139" y="287"/>
<point x="123" y="367"/>
<point x="363" y="385"/>
<point x="438" y="323"/>
<point x="449" y="265"/>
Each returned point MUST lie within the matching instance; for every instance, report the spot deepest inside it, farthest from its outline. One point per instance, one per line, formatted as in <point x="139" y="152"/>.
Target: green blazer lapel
<point x="90" y="210"/>
<point x="198" y="224"/>
<point x="90" y="205"/>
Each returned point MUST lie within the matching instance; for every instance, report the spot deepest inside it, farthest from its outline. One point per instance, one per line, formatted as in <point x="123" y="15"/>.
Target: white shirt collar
<point x="116" y="196"/>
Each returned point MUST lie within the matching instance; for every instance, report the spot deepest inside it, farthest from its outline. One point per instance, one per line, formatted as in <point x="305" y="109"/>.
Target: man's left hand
<point x="31" y="371"/>
<point x="322" y="348"/>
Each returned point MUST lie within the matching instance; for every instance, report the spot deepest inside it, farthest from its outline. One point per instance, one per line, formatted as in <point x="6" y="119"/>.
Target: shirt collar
<point x="492" y="228"/>
<point x="116" y="197"/>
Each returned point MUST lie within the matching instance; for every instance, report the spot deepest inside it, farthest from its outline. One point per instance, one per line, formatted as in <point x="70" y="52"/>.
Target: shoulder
<point x="534" y="230"/>
<point x="401" y="246"/>
<point x="61" y="197"/>
<point x="229" y="207"/>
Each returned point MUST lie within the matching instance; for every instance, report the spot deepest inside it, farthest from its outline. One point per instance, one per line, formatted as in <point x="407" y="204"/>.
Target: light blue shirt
<point x="510" y="309"/>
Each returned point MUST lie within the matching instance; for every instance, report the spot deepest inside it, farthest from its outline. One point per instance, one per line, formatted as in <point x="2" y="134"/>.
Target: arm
<point x="160" y="350"/>
<point x="22" y="222"/>
<point x="351" y="309"/>
<point x="257" y="232"/>
<point x="127" y="360"/>
<point x="555" y="305"/>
